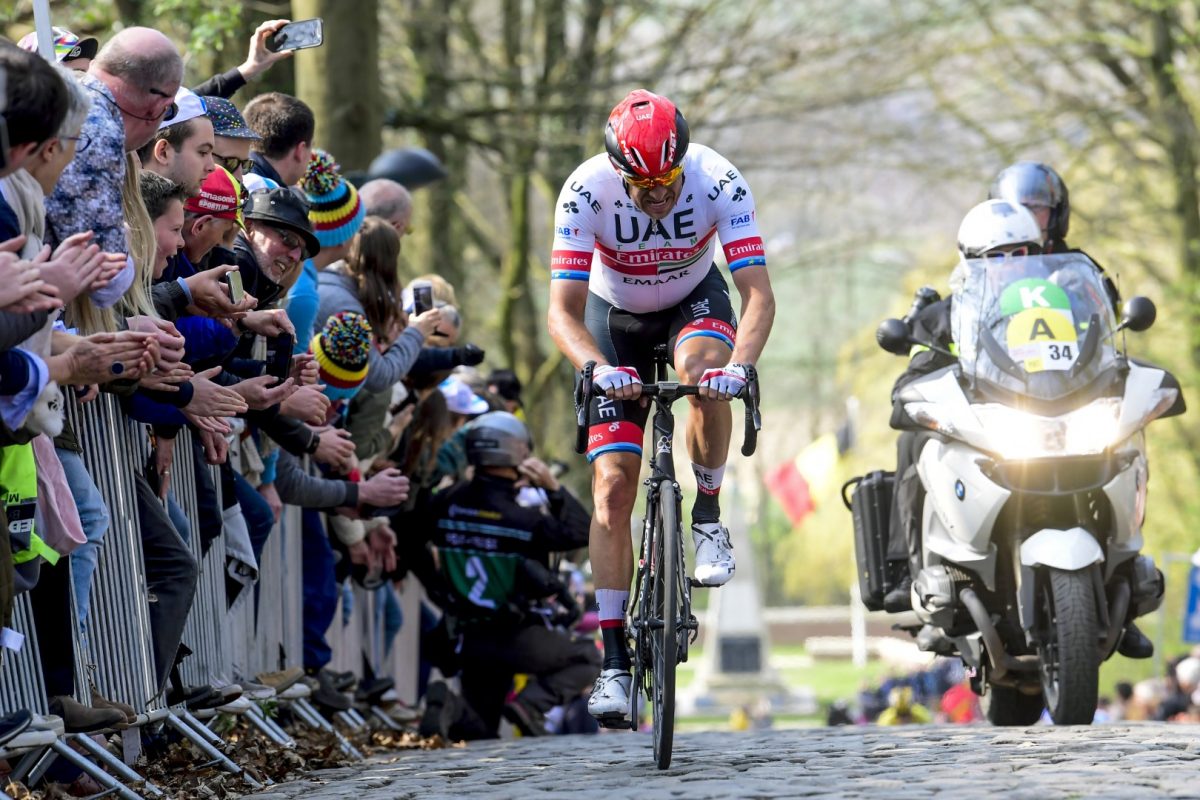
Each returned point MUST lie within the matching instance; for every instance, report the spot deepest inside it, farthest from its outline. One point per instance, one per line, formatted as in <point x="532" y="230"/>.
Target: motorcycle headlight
<point x="1016" y="435"/>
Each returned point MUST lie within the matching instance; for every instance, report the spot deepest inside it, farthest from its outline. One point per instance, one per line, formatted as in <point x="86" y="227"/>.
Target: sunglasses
<point x="1016" y="252"/>
<point x="169" y="114"/>
<point x="666" y="179"/>
<point x="233" y="163"/>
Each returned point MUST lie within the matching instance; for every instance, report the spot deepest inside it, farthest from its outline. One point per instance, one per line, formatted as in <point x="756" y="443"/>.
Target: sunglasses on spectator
<point x="290" y="240"/>
<point x="666" y="179"/>
<point x="233" y="163"/>
<point x="166" y="116"/>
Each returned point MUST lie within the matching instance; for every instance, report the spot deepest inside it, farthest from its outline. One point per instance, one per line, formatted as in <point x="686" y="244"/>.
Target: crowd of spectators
<point x="213" y="271"/>
<point x="942" y="693"/>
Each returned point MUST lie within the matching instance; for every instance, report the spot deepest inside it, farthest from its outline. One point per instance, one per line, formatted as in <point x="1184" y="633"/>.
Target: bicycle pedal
<point x="617" y="722"/>
<point x="695" y="584"/>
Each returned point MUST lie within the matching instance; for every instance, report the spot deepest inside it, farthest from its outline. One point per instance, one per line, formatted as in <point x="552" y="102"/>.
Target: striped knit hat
<point x="343" y="350"/>
<point x="336" y="213"/>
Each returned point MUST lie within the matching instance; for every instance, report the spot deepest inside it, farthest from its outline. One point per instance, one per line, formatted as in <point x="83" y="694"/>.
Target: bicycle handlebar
<point x="750" y="395"/>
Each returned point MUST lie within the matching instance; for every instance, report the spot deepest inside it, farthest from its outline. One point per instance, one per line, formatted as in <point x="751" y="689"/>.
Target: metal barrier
<point x="207" y="632"/>
<point x="119" y="638"/>
<point x="21" y="684"/>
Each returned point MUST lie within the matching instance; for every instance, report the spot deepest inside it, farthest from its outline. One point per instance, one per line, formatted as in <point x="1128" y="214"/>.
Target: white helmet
<point x="998" y="223"/>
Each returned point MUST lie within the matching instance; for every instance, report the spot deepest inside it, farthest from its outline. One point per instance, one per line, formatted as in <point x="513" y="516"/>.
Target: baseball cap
<point x="460" y="399"/>
<point x="227" y="120"/>
<point x="220" y="196"/>
<point x="67" y="46"/>
<point x="190" y="106"/>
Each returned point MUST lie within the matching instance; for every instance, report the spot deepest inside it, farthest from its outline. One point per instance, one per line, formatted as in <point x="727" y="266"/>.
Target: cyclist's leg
<point x="615" y="438"/>
<point x="702" y="334"/>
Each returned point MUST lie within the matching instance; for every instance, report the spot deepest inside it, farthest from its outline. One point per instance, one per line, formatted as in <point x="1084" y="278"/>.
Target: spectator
<point x="500" y="633"/>
<point x="390" y="201"/>
<point x="182" y="149"/>
<point x="258" y="60"/>
<point x="71" y="51"/>
<point x="286" y="126"/>
<point x="232" y="137"/>
<point x="505" y="384"/>
<point x="902" y="710"/>
<point x="164" y="202"/>
<point x="364" y="286"/>
<point x="1120" y="707"/>
<point x="277" y="238"/>
<point x="336" y="215"/>
<point x="463" y="406"/>
<point x="133" y="81"/>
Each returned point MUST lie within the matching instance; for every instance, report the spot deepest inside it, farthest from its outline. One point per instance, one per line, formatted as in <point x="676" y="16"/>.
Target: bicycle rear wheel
<point x="664" y="637"/>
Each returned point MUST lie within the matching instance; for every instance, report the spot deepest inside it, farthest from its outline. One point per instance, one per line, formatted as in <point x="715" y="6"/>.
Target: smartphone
<point x="297" y="36"/>
<point x="422" y="297"/>
<point x="279" y="358"/>
<point x="234" y="281"/>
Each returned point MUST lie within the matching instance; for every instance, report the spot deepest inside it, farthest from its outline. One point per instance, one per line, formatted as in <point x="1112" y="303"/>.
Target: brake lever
<point x="583" y="404"/>
<point x="753" y="415"/>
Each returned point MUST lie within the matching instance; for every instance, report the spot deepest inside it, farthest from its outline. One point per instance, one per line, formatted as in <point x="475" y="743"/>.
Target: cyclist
<point x="632" y="267"/>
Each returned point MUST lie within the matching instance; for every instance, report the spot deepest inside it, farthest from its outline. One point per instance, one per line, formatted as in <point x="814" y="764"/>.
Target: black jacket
<point x="490" y="550"/>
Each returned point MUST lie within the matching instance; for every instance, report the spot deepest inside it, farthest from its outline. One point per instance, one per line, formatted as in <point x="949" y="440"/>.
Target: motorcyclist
<point x="491" y="553"/>
<point x="992" y="228"/>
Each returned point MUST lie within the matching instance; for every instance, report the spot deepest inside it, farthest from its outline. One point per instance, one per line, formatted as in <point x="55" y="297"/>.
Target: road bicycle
<point x="660" y="622"/>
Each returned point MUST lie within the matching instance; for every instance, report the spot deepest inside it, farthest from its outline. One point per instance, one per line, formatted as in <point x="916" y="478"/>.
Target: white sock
<point x="612" y="604"/>
<point x="708" y="479"/>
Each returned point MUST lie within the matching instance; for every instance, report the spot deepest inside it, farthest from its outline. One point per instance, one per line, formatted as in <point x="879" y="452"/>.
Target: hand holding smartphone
<point x="422" y="297"/>
<point x="299" y="35"/>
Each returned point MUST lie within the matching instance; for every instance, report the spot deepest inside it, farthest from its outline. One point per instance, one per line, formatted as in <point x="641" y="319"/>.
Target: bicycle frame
<point x="653" y="591"/>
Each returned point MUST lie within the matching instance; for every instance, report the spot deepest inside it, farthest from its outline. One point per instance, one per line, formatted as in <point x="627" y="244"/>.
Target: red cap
<point x="220" y="196"/>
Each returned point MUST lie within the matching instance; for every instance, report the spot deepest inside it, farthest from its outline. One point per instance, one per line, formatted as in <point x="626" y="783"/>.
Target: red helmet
<point x="646" y="138"/>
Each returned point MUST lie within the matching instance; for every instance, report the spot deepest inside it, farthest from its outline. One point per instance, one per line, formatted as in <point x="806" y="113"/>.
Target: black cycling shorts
<point x="628" y="340"/>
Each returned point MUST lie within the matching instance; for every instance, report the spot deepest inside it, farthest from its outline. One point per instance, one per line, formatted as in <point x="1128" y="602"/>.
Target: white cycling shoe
<point x="714" y="553"/>
<point x="610" y="696"/>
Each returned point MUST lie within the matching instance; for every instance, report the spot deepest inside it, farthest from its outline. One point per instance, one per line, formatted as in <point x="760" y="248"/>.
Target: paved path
<point x="947" y="763"/>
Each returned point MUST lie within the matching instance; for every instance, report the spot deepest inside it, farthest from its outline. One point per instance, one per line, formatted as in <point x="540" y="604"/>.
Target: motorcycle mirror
<point x="893" y="336"/>
<point x="1139" y="314"/>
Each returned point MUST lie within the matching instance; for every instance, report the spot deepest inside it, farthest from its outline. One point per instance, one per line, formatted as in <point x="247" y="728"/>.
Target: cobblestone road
<point x="948" y="763"/>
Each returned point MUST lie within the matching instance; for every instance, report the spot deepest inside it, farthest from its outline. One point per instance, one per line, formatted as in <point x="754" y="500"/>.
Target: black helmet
<point x="1032" y="183"/>
<point x="498" y="439"/>
<point x="411" y="167"/>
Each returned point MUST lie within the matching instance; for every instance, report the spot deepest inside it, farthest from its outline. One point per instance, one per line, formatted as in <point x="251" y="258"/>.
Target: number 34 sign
<point x="1041" y="328"/>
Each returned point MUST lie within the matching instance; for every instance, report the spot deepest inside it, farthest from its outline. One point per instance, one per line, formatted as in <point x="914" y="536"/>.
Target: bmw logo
<point x="960" y="491"/>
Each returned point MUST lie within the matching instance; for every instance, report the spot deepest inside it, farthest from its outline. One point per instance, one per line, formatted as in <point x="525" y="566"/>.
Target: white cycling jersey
<point x="645" y="265"/>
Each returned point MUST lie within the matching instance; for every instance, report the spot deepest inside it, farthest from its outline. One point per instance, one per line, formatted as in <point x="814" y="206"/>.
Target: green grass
<point x="829" y="679"/>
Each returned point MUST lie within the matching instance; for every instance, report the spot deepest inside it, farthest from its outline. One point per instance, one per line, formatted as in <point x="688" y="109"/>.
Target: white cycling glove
<point x="607" y="379"/>
<point x="726" y="381"/>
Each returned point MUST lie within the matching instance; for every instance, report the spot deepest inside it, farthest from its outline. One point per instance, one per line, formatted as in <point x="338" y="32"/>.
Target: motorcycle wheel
<point x="1069" y="661"/>
<point x="1007" y="705"/>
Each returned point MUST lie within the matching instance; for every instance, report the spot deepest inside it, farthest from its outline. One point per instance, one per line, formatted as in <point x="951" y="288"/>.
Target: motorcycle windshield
<point x="1039" y="326"/>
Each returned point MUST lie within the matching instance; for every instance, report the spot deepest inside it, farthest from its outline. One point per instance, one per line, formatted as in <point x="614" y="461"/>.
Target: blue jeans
<point x="389" y="617"/>
<point x="178" y="518"/>
<point x="93" y="515"/>
<point x="260" y="520"/>
<point x="320" y="590"/>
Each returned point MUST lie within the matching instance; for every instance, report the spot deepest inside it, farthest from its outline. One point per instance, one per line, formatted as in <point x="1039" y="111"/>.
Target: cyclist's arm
<point x="758" y="313"/>
<point x="564" y="320"/>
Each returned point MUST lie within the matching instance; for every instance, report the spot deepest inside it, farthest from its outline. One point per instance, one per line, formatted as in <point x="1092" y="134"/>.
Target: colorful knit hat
<point x="343" y="350"/>
<point x="336" y="212"/>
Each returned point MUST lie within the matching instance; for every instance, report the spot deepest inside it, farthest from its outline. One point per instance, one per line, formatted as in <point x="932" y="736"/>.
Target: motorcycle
<point x="1034" y="470"/>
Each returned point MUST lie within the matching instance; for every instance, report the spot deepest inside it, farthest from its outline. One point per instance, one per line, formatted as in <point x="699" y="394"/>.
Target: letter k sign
<point x="1032" y="296"/>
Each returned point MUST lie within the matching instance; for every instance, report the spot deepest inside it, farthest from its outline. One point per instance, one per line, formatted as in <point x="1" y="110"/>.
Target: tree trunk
<point x="1181" y="144"/>
<point x="340" y="79"/>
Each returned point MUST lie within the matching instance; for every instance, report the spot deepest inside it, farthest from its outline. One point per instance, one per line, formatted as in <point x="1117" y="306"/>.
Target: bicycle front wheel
<point x="664" y="636"/>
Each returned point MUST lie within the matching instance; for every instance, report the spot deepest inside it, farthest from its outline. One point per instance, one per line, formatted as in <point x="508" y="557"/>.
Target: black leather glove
<point x="470" y="355"/>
